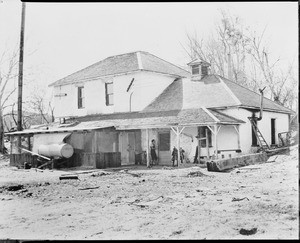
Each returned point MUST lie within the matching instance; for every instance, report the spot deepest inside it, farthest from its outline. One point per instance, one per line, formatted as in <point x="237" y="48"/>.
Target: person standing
<point x="153" y="152"/>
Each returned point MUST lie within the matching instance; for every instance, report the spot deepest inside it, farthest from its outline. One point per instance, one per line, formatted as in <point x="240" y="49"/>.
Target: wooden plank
<point x="47" y="163"/>
<point x="67" y="177"/>
<point x="44" y="157"/>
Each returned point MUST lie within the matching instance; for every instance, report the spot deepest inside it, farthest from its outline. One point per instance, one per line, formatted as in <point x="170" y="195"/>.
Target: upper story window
<point x="80" y="97"/>
<point x="109" y="93"/>
<point x="195" y="69"/>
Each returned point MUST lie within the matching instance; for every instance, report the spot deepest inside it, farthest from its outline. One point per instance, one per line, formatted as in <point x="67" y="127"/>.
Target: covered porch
<point x="201" y="133"/>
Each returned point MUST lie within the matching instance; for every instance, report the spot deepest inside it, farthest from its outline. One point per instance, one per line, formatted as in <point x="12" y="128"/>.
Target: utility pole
<point x="20" y="80"/>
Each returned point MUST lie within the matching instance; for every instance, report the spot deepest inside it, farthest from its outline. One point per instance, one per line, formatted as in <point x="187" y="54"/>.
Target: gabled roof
<point x="121" y="64"/>
<point x="250" y="98"/>
<point x="199" y="61"/>
<point x="213" y="91"/>
<point x="187" y="94"/>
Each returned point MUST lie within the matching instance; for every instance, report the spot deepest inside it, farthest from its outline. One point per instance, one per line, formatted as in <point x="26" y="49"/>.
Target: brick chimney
<point x="199" y="69"/>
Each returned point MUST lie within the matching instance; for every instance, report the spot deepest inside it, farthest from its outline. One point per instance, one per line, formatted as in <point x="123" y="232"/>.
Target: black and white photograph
<point x="149" y="121"/>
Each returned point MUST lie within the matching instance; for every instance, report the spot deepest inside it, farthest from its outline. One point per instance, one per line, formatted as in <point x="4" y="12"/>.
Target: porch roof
<point x="140" y="120"/>
<point x="57" y="130"/>
<point x="189" y="117"/>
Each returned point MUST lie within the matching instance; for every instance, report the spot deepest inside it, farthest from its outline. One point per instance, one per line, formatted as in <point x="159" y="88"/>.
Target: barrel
<point x="62" y="150"/>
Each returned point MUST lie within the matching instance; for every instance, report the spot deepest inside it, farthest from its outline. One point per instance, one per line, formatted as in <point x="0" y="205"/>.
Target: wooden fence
<point x="19" y="160"/>
<point x="94" y="160"/>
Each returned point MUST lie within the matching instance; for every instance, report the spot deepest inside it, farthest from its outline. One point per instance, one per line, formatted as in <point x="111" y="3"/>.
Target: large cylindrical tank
<point x="56" y="150"/>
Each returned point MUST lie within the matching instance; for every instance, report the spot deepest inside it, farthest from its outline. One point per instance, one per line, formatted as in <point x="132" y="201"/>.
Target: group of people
<point x="154" y="159"/>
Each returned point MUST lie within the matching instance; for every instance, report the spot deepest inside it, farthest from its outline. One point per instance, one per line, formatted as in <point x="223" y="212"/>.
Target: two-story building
<point x="125" y="101"/>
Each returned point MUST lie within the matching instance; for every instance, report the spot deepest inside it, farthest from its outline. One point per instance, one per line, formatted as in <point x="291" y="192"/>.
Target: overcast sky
<point x="66" y="37"/>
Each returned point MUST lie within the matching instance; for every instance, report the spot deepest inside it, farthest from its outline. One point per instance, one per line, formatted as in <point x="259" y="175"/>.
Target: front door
<point x="273" y="138"/>
<point x="164" y="154"/>
<point x="129" y="145"/>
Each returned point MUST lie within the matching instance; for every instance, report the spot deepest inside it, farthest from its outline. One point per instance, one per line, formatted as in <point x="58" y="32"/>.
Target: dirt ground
<point x="252" y="202"/>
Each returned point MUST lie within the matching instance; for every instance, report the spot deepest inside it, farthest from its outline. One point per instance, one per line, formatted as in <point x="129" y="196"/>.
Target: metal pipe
<point x="130" y="101"/>
<point x="261" y="103"/>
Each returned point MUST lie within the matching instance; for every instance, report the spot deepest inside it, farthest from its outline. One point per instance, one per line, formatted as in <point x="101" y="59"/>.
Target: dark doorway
<point x="254" y="138"/>
<point x="164" y="154"/>
<point x="273" y="138"/>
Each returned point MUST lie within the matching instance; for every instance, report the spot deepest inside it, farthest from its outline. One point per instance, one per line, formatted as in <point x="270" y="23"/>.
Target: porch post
<point x="239" y="139"/>
<point x="207" y="147"/>
<point x="147" y="150"/>
<point x="199" y="144"/>
<point x="178" y="144"/>
<point x="177" y="132"/>
<point x="216" y="142"/>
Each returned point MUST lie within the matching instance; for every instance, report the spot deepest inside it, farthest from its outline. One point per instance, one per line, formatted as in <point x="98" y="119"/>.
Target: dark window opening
<point x="195" y="69"/>
<point x="273" y="141"/>
<point x="202" y="134"/>
<point x="204" y="71"/>
<point x="80" y="100"/>
<point x="164" y="141"/>
<point x="109" y="94"/>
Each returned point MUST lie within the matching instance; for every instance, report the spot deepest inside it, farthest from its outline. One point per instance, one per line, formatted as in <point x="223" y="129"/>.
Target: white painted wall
<point x="227" y="138"/>
<point x="282" y="125"/>
<point x="147" y="86"/>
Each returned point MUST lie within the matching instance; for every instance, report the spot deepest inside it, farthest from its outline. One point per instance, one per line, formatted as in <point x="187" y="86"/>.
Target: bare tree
<point x="8" y="75"/>
<point x="281" y="83"/>
<point x="42" y="106"/>
<point x="226" y="50"/>
<point x="237" y="54"/>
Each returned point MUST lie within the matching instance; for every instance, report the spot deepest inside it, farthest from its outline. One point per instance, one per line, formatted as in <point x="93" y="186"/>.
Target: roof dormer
<point x="199" y="69"/>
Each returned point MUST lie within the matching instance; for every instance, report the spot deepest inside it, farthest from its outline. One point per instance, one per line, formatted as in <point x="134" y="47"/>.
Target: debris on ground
<point x="178" y="232"/>
<point x="239" y="199"/>
<point x="27" y="166"/>
<point x="272" y="158"/>
<point x="196" y="174"/>
<point x="89" y="188"/>
<point x="68" y="177"/>
<point x="14" y="187"/>
<point x="168" y="168"/>
<point x="248" y="232"/>
<point x="99" y="174"/>
<point x="138" y="202"/>
<point x="130" y="173"/>
<point x="156" y="204"/>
